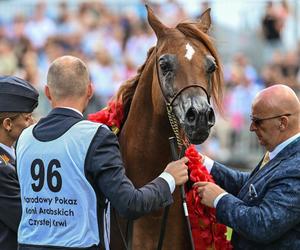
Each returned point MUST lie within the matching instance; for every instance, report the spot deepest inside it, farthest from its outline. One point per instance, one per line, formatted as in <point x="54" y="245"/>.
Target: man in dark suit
<point x="70" y="170"/>
<point x="17" y="100"/>
<point x="263" y="207"/>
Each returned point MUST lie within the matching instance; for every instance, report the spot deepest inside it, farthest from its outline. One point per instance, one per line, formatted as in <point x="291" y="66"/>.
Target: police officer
<point x="17" y="100"/>
<point x="67" y="166"/>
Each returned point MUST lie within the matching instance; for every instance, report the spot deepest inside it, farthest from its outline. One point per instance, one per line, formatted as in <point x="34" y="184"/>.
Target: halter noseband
<point x="183" y="89"/>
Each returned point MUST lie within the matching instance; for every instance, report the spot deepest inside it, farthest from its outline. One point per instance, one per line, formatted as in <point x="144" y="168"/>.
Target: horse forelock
<point x="190" y="29"/>
<point x="127" y="89"/>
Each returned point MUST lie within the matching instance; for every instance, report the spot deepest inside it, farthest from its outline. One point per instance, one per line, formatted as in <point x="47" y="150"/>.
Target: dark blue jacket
<point x="105" y="171"/>
<point x="10" y="202"/>
<point x="263" y="207"/>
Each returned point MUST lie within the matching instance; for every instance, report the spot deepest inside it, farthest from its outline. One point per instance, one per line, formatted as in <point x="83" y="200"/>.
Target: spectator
<point x="271" y="24"/>
<point x="17" y="100"/>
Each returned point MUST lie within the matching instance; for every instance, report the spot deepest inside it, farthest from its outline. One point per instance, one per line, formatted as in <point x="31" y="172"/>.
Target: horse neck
<point x="144" y="136"/>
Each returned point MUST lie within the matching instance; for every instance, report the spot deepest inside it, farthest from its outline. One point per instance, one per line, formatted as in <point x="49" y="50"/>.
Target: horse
<point x="181" y="73"/>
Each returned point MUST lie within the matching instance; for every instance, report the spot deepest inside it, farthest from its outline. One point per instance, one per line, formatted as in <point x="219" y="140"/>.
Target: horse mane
<point x="191" y="29"/>
<point x="127" y="89"/>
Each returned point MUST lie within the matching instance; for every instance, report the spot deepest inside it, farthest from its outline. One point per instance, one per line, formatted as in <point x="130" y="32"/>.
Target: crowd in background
<point x="114" y="44"/>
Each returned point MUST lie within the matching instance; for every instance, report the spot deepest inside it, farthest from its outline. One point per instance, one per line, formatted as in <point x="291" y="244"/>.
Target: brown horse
<point x="182" y="71"/>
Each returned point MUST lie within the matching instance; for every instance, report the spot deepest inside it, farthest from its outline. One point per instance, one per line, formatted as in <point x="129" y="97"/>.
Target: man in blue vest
<point x="263" y="207"/>
<point x="70" y="168"/>
<point x="17" y="100"/>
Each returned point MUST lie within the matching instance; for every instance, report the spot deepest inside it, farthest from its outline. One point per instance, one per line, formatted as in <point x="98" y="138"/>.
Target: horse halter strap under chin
<point x="169" y="103"/>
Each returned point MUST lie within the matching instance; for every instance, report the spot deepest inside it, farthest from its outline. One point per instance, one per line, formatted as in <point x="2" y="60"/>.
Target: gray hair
<point x="68" y="76"/>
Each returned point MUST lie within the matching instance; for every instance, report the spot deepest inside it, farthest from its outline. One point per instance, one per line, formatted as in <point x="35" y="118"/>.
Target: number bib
<point x="59" y="206"/>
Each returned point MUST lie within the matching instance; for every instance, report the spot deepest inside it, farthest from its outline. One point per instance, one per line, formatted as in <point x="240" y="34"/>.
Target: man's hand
<point x="208" y="192"/>
<point x="179" y="170"/>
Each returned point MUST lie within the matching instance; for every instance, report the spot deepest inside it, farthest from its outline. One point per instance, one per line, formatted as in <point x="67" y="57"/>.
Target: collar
<point x="76" y="110"/>
<point x="65" y="112"/>
<point x="283" y="145"/>
<point x="9" y="150"/>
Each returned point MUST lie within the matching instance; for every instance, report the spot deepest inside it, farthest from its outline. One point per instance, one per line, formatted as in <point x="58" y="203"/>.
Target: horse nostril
<point x="191" y="115"/>
<point x="210" y="116"/>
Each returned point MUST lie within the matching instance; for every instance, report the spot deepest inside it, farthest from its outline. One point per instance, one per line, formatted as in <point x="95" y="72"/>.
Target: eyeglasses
<point x="259" y="121"/>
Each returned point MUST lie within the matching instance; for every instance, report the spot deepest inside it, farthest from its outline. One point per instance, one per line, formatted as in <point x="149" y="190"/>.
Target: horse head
<point x="189" y="73"/>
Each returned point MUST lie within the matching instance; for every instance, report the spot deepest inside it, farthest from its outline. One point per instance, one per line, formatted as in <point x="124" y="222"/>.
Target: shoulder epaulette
<point x="4" y="158"/>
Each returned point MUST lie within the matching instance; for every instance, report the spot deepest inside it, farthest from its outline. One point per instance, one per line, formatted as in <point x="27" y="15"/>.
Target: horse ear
<point x="158" y="27"/>
<point x="205" y="21"/>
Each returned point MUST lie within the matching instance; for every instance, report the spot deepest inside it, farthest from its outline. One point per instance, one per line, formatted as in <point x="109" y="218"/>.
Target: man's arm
<point x="279" y="206"/>
<point x="106" y="167"/>
<point x="230" y="180"/>
<point x="277" y="213"/>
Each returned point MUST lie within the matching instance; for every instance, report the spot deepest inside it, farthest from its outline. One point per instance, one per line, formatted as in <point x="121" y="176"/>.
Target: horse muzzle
<point x="197" y="123"/>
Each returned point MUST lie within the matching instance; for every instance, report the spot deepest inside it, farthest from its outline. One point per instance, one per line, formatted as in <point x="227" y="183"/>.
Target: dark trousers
<point x="32" y="247"/>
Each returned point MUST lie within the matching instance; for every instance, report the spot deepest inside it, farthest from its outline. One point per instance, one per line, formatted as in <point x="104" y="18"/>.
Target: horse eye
<point x="210" y="64"/>
<point x="211" y="68"/>
<point x="164" y="66"/>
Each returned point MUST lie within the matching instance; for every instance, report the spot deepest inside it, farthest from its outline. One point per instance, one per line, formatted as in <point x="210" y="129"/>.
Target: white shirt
<point x="208" y="163"/>
<point x="282" y="145"/>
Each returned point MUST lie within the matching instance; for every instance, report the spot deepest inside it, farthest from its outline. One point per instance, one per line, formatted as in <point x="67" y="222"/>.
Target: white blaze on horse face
<point x="189" y="52"/>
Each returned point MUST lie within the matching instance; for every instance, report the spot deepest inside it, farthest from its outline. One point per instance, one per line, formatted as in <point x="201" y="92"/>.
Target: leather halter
<point x="169" y="103"/>
<point x="183" y="89"/>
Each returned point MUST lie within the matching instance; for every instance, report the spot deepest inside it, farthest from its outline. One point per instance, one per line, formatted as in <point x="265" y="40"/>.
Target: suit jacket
<point x="105" y="171"/>
<point x="263" y="207"/>
<point x="10" y="203"/>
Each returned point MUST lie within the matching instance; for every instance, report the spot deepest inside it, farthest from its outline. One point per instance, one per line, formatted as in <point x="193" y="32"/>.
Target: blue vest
<point x="59" y="206"/>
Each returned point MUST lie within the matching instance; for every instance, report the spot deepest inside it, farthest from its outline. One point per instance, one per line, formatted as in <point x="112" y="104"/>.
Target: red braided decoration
<point x="207" y="233"/>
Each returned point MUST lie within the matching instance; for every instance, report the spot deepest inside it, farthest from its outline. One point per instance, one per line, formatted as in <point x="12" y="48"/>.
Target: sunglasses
<point x="258" y="121"/>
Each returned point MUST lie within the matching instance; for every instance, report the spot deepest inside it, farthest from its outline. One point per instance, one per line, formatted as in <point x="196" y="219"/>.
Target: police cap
<point x="17" y="95"/>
